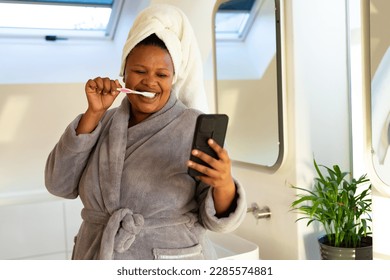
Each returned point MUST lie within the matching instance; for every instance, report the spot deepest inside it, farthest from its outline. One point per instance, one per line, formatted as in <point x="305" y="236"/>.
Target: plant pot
<point x="329" y="252"/>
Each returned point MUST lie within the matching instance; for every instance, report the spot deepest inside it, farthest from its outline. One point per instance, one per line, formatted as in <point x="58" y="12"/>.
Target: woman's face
<point x="148" y="68"/>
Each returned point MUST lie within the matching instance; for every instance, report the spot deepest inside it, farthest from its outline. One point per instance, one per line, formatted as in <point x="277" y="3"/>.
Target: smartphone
<point x="208" y="126"/>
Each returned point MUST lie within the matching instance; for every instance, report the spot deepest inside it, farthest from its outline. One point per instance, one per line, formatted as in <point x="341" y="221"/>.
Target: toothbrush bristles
<point x="144" y="93"/>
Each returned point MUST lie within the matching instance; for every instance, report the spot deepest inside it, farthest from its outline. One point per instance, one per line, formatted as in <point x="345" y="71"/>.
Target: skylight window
<point x="59" y="19"/>
<point x="233" y="19"/>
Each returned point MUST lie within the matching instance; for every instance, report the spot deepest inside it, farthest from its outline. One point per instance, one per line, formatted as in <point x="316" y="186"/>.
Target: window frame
<point x="241" y="36"/>
<point x="54" y="34"/>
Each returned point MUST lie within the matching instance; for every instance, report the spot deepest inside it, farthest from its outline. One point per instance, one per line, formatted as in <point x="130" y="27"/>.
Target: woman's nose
<point x="149" y="80"/>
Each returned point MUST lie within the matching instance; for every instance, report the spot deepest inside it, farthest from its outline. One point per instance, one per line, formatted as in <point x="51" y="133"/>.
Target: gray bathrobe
<point x="139" y="202"/>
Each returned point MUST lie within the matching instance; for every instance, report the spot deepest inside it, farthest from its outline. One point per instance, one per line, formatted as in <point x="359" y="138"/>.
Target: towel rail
<point x="259" y="213"/>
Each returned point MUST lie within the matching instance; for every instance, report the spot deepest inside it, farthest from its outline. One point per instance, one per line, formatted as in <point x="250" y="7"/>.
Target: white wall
<point x="35" y="225"/>
<point x="317" y="123"/>
<point x="32" y="118"/>
<point x="322" y="98"/>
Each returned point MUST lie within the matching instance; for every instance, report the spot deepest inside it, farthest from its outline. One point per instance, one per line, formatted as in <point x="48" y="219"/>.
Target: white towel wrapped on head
<point x="172" y="26"/>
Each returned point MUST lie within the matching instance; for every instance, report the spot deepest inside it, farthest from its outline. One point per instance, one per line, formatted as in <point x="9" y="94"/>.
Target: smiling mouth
<point x="149" y="98"/>
<point x="149" y="93"/>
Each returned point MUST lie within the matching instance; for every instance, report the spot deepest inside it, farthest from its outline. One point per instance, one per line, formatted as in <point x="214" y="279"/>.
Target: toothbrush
<point x="144" y="93"/>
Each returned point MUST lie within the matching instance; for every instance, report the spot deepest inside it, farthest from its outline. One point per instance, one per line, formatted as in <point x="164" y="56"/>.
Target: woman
<point x="129" y="164"/>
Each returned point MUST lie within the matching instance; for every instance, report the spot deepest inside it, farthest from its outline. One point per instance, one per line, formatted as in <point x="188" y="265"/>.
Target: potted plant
<point x="342" y="206"/>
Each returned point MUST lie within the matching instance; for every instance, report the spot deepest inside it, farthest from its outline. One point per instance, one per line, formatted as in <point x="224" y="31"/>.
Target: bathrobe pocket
<point x="189" y="253"/>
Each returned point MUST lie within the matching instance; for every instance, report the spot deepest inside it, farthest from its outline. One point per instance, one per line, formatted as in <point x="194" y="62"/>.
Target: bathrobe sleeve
<point x="207" y="213"/>
<point x="66" y="162"/>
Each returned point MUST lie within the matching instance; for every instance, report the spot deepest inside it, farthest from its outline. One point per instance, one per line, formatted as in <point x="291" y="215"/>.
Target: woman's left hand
<point x="218" y="175"/>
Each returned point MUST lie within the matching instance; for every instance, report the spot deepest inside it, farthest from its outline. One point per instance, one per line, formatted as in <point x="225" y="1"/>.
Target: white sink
<point x="233" y="247"/>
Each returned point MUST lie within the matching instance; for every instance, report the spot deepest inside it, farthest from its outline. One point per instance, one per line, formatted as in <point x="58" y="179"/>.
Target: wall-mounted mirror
<point x="248" y="74"/>
<point x="378" y="12"/>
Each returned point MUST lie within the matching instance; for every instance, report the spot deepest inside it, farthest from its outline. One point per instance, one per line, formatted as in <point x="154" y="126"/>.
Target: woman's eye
<point x="139" y="71"/>
<point x="161" y="75"/>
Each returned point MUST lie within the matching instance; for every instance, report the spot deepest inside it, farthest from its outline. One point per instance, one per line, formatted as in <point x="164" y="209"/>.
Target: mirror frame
<point x="280" y="86"/>
<point x="377" y="182"/>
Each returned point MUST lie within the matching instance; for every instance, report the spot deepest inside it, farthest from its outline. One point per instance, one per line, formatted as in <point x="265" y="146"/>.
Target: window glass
<point x="66" y="19"/>
<point x="233" y="19"/>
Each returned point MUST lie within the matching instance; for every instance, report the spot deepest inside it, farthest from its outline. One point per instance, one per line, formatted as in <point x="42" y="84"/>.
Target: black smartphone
<point x="208" y="126"/>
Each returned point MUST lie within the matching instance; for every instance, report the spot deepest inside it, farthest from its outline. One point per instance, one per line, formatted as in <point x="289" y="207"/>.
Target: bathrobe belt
<point x="122" y="227"/>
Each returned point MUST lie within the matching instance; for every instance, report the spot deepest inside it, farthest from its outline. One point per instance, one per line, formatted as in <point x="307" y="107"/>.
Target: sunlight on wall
<point x="32" y="118"/>
<point x="359" y="166"/>
<point x="11" y="115"/>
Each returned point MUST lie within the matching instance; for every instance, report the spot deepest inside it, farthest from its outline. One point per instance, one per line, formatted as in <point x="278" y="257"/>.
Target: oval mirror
<point x="378" y="86"/>
<point x="248" y="75"/>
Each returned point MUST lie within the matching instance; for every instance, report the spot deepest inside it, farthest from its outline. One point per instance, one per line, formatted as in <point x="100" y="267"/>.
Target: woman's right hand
<point x="101" y="93"/>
